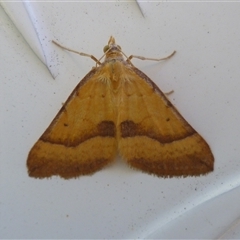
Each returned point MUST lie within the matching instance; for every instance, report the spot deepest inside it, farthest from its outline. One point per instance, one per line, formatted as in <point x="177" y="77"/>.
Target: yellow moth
<point x="117" y="108"/>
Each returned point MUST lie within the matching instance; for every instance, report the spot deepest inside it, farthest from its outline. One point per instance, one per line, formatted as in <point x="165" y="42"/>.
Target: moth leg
<point x="169" y="93"/>
<point x="80" y="53"/>
<point x="151" y="59"/>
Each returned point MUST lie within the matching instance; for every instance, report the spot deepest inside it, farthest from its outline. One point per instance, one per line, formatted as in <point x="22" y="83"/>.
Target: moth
<point x="114" y="109"/>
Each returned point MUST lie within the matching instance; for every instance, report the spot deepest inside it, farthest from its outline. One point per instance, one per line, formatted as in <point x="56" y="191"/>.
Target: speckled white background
<point x="119" y="202"/>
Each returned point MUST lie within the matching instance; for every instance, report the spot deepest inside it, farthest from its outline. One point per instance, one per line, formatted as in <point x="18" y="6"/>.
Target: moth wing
<point x="153" y="136"/>
<point x="82" y="137"/>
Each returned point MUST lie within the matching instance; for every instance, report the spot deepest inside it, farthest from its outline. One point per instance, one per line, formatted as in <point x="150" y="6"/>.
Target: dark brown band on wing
<point x="131" y="129"/>
<point x="193" y="166"/>
<point x="103" y="129"/>
<point x="106" y="129"/>
<point x="68" y="169"/>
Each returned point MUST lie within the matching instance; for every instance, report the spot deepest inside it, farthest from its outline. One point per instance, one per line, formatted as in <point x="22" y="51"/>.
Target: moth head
<point x="111" y="45"/>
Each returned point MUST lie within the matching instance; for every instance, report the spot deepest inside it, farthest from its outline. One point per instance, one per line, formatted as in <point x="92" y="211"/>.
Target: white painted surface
<point x="119" y="202"/>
